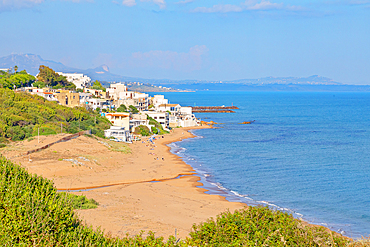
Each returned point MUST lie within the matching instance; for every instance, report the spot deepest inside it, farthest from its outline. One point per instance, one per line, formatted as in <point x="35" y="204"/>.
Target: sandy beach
<point x="136" y="190"/>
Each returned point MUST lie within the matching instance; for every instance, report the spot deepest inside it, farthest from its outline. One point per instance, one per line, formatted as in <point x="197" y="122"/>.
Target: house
<point x="49" y="96"/>
<point x="84" y="98"/>
<point x="172" y="108"/>
<point x="117" y="90"/>
<point x="80" y="80"/>
<point x="67" y="98"/>
<point x="186" y="110"/>
<point x="137" y="120"/>
<point x="119" y="133"/>
<point x="139" y="100"/>
<point x="94" y="103"/>
<point x="159" y="100"/>
<point x="97" y="93"/>
<point x="121" y="119"/>
<point x="160" y="117"/>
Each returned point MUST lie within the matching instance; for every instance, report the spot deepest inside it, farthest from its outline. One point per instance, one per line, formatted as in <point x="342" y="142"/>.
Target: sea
<point x="306" y="153"/>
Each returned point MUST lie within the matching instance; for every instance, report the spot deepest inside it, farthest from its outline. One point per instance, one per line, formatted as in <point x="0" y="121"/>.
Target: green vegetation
<point x="133" y="109"/>
<point x="98" y="86"/>
<point x="122" y="108"/>
<point x="154" y="130"/>
<point x="23" y="114"/>
<point x="142" y="130"/>
<point x="158" y="127"/>
<point x="16" y="79"/>
<point x="80" y="202"/>
<point x="260" y="226"/>
<point x="48" y="77"/>
<point x="119" y="147"/>
<point x="32" y="213"/>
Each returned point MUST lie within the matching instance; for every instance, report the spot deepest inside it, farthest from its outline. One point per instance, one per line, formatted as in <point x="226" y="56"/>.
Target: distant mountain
<point x="31" y="63"/>
<point x="311" y="80"/>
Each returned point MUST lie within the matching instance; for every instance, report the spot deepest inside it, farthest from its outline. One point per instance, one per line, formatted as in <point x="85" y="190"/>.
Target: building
<point x="119" y="133"/>
<point x="121" y="119"/>
<point x="137" y="120"/>
<point x="172" y="108"/>
<point x="97" y="93"/>
<point x="67" y="98"/>
<point x="84" y="98"/>
<point x="94" y="103"/>
<point x="117" y="90"/>
<point x="159" y="100"/>
<point x="80" y="80"/>
<point x="139" y="100"/>
<point x="160" y="117"/>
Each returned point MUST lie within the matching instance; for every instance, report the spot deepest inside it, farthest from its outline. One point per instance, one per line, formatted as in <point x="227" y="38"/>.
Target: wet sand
<point x="147" y="192"/>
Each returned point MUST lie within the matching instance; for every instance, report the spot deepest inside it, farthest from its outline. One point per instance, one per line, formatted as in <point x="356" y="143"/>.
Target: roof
<point x="169" y="105"/>
<point x="120" y="114"/>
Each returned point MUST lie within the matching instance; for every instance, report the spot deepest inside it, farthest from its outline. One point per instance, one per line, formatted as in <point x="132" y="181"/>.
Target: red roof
<point x="118" y="114"/>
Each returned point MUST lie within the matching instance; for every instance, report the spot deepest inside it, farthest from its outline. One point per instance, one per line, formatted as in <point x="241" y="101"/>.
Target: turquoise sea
<point x="307" y="153"/>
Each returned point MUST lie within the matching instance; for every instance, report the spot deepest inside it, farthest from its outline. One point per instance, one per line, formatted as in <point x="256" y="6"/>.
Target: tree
<point x="15" y="69"/>
<point x="53" y="79"/>
<point x="133" y="109"/>
<point x="11" y="81"/>
<point x="122" y="108"/>
<point x="98" y="86"/>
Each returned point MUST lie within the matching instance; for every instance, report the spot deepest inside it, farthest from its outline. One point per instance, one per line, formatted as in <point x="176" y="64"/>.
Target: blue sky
<point x="195" y="39"/>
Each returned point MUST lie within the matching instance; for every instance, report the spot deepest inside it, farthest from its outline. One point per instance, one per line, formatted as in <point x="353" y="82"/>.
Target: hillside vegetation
<point x="33" y="213"/>
<point x="22" y="115"/>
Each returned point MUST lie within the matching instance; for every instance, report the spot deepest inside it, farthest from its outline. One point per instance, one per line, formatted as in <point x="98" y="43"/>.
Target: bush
<point x="133" y="109"/>
<point x="22" y="114"/>
<point x="80" y="202"/>
<point x="122" y="108"/>
<point x="154" y="130"/>
<point x="142" y="130"/>
<point x="260" y="226"/>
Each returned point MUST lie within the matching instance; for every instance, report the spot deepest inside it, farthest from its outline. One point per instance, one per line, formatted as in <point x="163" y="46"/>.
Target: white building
<point x="117" y="90"/>
<point x="160" y="117"/>
<point x="80" y="80"/>
<point x="137" y="120"/>
<point x="173" y="108"/>
<point x="94" y="103"/>
<point x="121" y="119"/>
<point x="84" y="98"/>
<point x="139" y="100"/>
<point x="159" y="100"/>
<point x="119" y="133"/>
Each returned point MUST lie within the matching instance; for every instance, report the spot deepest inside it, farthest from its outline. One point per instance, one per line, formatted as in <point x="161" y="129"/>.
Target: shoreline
<point x="159" y="201"/>
<point x="149" y="194"/>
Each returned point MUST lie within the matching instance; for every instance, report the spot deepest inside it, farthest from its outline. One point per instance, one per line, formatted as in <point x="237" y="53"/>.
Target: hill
<point x="23" y="115"/>
<point x="31" y="63"/>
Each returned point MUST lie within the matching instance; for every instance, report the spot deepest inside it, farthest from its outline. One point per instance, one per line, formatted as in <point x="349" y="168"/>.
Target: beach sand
<point x="145" y="191"/>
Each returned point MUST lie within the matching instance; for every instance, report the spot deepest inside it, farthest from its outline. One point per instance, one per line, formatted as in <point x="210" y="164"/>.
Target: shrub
<point x="142" y="130"/>
<point x="260" y="226"/>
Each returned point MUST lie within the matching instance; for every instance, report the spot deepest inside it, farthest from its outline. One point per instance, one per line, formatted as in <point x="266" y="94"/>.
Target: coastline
<point x="145" y="192"/>
<point x="164" y="196"/>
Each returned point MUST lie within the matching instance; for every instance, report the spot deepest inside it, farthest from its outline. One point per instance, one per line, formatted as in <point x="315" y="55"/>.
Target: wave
<point x="216" y="188"/>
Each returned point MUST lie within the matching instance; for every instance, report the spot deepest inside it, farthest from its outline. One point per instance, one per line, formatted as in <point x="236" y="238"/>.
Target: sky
<point x="217" y="40"/>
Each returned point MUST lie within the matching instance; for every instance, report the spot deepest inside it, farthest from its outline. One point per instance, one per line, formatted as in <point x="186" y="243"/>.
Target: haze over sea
<point x="306" y="153"/>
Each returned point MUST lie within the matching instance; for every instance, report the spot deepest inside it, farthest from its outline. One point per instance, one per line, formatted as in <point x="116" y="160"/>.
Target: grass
<point x="80" y="202"/>
<point x="119" y="147"/>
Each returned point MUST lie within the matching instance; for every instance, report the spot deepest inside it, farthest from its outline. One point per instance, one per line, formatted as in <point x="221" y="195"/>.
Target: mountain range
<point x="31" y="63"/>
